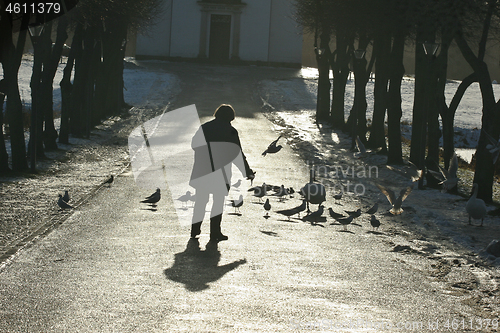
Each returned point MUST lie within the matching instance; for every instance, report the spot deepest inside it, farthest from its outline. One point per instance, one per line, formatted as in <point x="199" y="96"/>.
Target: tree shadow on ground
<point x="196" y="268"/>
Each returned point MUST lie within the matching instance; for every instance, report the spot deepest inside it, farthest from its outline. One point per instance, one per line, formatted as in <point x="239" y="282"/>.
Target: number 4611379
<point x="33" y="8"/>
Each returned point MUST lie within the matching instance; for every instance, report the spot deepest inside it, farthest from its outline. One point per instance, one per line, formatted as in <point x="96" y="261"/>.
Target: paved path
<point x="117" y="266"/>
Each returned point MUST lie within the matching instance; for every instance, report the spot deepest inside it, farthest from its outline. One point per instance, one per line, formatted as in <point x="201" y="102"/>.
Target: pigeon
<point x="110" y="180"/>
<point x="493" y="147"/>
<point x="237" y="203"/>
<point x="315" y="215"/>
<point x="288" y="212"/>
<point x="154" y="198"/>
<point x="272" y="148"/>
<point x="396" y="202"/>
<point x="374" y="222"/>
<point x="372" y="210"/>
<point x="345" y="221"/>
<point x="476" y="208"/>
<point x="354" y="213"/>
<point x="260" y="192"/>
<point x="183" y="198"/>
<point x="66" y="196"/>
<point x="281" y="193"/>
<point x="334" y="214"/>
<point x="237" y="184"/>
<point x="300" y="208"/>
<point x="362" y="151"/>
<point x="63" y="204"/>
<point x="338" y="196"/>
<point x="411" y="171"/>
<point x="313" y="192"/>
<point x="267" y="206"/>
<point x="448" y="178"/>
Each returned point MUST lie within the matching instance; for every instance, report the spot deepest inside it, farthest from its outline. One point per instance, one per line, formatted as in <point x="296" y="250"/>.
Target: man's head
<point x="225" y="112"/>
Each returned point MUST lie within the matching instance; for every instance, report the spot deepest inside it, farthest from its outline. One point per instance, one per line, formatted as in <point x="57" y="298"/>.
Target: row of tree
<point x="92" y="84"/>
<point x="386" y="28"/>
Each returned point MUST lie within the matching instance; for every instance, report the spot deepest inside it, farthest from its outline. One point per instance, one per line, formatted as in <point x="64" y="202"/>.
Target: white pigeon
<point x="493" y="147"/>
<point x="396" y="202"/>
<point x="63" y="204"/>
<point x="448" y="178"/>
<point x="476" y="208"/>
<point x="362" y="151"/>
<point x="410" y="171"/>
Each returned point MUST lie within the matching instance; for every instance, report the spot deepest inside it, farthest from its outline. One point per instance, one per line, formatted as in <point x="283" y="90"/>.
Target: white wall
<point x="185" y="29"/>
<point x="286" y="35"/>
<point x="156" y="41"/>
<point x="254" y="36"/>
<point x="279" y="41"/>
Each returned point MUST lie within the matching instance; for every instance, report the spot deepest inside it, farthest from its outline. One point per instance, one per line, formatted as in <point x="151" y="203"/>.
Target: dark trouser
<point x="199" y="212"/>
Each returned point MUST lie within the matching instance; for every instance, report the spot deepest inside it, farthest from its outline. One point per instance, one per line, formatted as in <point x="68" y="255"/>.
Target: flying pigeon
<point x="237" y="203"/>
<point x="493" y="147"/>
<point x="362" y="151"/>
<point x="374" y="222"/>
<point x="448" y="178"/>
<point x="411" y="171"/>
<point x="63" y="204"/>
<point x="154" y="198"/>
<point x="396" y="202"/>
<point x="272" y="148"/>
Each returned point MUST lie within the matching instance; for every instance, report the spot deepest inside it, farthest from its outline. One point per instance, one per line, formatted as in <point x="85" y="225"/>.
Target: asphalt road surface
<point x="118" y="265"/>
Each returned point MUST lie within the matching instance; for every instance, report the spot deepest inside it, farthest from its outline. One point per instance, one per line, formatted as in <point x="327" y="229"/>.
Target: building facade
<point x="261" y="31"/>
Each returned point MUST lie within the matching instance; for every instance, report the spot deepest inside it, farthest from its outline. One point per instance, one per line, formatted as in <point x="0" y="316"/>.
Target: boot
<point x="195" y="229"/>
<point x="215" y="233"/>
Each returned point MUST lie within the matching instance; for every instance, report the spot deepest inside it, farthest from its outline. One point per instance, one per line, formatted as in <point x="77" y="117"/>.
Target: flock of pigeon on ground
<point x="315" y="193"/>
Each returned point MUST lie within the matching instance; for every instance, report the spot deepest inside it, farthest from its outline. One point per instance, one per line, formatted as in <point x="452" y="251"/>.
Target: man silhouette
<point x="216" y="147"/>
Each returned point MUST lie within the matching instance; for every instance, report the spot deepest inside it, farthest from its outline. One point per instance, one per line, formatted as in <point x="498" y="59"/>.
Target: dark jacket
<point x="216" y="147"/>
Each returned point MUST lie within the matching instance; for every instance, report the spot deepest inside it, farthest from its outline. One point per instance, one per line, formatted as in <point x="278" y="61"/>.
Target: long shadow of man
<point x="195" y="268"/>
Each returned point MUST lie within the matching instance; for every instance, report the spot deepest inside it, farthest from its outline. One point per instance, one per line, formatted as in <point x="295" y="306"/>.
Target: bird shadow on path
<point x="196" y="268"/>
<point x="346" y="231"/>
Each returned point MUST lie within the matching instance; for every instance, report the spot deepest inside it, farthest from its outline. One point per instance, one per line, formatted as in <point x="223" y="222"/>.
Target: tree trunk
<point x="115" y="35"/>
<point x="340" y="74"/>
<point x="4" y="157"/>
<point x="67" y="87"/>
<point x="323" y="98"/>
<point x="13" y="56"/>
<point x="394" y="111"/>
<point x="49" y="71"/>
<point x="381" y="50"/>
<point x="484" y="170"/>
<point x="78" y="123"/>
